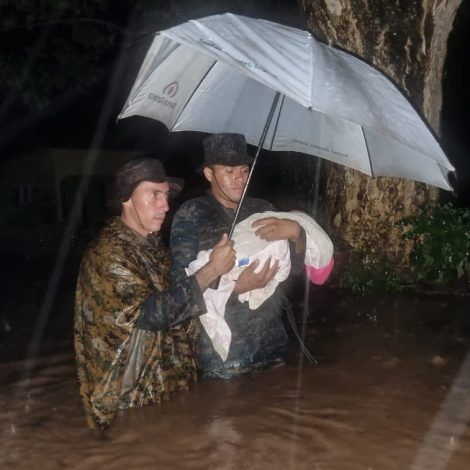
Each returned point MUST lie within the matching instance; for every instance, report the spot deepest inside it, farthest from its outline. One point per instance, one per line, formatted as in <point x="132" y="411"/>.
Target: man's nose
<point x="239" y="175"/>
<point x="164" y="205"/>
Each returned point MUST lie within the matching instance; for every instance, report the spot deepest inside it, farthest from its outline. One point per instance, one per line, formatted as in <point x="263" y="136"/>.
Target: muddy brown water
<point x="391" y="392"/>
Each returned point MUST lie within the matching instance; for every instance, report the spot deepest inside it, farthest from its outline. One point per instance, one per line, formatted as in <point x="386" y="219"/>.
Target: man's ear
<point x="208" y="173"/>
<point x="127" y="203"/>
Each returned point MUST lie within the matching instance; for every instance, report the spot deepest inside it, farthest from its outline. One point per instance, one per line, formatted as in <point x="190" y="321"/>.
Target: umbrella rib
<point x="277" y="122"/>
<point x="192" y="94"/>
<point x="368" y="152"/>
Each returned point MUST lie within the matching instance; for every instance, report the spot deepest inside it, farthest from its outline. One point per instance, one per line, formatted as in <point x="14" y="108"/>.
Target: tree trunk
<point x="407" y="41"/>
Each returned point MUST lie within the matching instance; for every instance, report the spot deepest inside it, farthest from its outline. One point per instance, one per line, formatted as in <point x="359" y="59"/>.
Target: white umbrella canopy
<point x="224" y="73"/>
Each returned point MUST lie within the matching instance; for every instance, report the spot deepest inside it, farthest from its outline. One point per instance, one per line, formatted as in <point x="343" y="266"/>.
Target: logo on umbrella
<point x="168" y="91"/>
<point x="171" y="89"/>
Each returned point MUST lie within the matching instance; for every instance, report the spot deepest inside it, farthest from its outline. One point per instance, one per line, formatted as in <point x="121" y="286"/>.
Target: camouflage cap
<point x="225" y="149"/>
<point x="138" y="169"/>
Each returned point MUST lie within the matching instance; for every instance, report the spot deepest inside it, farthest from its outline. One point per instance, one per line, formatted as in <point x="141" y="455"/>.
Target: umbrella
<point x="284" y="90"/>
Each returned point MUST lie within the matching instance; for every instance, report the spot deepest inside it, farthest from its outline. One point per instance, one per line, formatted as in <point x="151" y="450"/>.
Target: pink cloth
<point x="319" y="275"/>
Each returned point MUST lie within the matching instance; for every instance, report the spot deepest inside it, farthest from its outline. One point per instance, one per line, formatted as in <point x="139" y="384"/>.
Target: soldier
<point x="132" y="328"/>
<point x="259" y="339"/>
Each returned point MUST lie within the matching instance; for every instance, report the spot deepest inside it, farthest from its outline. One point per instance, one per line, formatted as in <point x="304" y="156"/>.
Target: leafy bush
<point x="441" y="238"/>
<point x="368" y="274"/>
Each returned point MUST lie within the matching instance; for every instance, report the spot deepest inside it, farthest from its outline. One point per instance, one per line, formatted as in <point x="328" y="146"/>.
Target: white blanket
<point x="249" y="247"/>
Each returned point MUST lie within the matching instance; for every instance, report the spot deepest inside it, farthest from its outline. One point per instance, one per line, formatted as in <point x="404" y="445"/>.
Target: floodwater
<point x="390" y="392"/>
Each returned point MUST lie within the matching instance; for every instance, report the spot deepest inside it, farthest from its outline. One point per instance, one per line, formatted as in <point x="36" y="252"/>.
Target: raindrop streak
<point x="74" y="216"/>
<point x="305" y="304"/>
<point x="53" y="283"/>
<point x="293" y="449"/>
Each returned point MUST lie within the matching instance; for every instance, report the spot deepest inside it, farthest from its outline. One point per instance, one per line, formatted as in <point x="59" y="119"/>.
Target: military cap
<point x="227" y="149"/>
<point x="139" y="169"/>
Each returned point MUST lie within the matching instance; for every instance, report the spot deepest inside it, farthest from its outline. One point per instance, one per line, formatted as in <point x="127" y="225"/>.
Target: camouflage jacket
<point x="132" y="330"/>
<point x="259" y="338"/>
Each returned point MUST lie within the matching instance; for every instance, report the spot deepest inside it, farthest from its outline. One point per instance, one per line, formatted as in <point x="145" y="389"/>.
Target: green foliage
<point x="440" y="253"/>
<point x="441" y="238"/>
<point x="368" y="274"/>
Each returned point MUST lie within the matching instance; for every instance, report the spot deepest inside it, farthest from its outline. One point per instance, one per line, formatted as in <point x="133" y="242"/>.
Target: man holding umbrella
<point x="259" y="339"/>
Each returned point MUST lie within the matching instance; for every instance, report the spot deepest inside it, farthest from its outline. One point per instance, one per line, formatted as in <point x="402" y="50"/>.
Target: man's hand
<point x="272" y="228"/>
<point x="249" y="280"/>
<point x="220" y="262"/>
<point x="222" y="257"/>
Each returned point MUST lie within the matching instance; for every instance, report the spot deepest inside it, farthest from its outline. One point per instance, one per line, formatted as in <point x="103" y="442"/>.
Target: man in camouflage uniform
<point x="259" y="339"/>
<point x="132" y="328"/>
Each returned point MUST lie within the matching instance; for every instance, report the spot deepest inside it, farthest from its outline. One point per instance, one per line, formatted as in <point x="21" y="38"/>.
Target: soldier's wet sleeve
<point x="184" y="242"/>
<point x="163" y="310"/>
<point x="140" y="302"/>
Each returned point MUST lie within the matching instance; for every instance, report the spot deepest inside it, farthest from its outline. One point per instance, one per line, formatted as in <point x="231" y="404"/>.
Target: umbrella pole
<point x="316" y="194"/>
<point x="260" y="145"/>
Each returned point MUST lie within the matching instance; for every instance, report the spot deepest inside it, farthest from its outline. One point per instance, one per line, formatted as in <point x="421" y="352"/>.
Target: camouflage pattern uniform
<point x="259" y="339"/>
<point x="133" y="332"/>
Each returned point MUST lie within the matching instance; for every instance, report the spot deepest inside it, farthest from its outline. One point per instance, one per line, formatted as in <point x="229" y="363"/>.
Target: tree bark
<point x="406" y="40"/>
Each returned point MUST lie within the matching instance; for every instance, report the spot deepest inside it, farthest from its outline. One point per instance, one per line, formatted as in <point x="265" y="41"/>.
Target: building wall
<point x="80" y="176"/>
